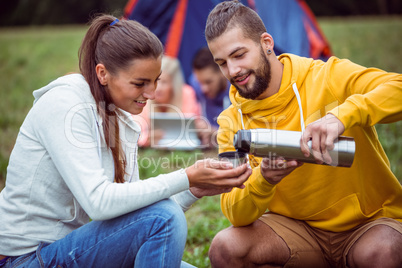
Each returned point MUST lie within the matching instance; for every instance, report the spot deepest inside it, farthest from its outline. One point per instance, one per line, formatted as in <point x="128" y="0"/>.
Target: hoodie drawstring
<point x="241" y="117"/>
<point x="296" y="91"/>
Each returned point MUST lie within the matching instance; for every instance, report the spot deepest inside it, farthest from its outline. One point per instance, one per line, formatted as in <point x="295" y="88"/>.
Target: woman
<point x="75" y="159"/>
<point x="172" y="96"/>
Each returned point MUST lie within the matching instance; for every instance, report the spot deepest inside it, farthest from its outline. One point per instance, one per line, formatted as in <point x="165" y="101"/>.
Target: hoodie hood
<point x="295" y="71"/>
<point x="72" y="80"/>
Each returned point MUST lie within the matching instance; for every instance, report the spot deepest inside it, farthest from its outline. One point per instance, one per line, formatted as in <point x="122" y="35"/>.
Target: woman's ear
<point x="102" y="74"/>
<point x="267" y="42"/>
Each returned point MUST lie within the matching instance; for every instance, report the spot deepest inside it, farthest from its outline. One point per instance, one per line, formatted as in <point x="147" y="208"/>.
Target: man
<point x="319" y="215"/>
<point x="212" y="91"/>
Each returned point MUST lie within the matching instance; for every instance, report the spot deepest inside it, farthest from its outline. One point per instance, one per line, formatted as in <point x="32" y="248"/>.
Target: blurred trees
<point x="355" y="7"/>
<point x="28" y="12"/>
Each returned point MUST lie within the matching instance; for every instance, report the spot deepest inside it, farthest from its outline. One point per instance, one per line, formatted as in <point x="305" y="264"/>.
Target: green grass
<point x="31" y="57"/>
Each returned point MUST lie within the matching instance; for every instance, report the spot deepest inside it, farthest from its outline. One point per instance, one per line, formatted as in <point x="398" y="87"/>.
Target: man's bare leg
<point x="380" y="246"/>
<point x="255" y="245"/>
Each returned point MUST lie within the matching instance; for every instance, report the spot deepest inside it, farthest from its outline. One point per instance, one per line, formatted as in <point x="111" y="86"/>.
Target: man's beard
<point x="262" y="80"/>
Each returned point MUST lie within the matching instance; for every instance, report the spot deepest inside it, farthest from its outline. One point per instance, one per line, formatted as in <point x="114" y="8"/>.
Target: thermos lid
<point x="242" y="140"/>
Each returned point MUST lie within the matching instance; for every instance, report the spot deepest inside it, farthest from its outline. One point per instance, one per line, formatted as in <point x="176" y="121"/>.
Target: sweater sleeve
<point x="367" y="95"/>
<point x="185" y="199"/>
<point x="65" y="127"/>
<point x="243" y="206"/>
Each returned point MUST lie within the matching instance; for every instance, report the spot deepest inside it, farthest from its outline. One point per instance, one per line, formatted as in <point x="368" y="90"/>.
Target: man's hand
<point x="322" y="134"/>
<point x="274" y="170"/>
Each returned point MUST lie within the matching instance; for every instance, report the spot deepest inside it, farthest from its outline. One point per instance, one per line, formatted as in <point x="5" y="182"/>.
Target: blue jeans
<point x="153" y="236"/>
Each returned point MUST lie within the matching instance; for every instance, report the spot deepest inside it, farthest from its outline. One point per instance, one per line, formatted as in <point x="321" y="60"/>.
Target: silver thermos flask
<point x="283" y="143"/>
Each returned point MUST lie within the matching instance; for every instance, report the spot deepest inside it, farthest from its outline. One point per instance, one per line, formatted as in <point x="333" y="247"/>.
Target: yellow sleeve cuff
<point x="263" y="187"/>
<point x="348" y="114"/>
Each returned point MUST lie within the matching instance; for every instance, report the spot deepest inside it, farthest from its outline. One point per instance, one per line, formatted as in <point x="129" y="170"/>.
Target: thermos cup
<point x="282" y="143"/>
<point x="235" y="157"/>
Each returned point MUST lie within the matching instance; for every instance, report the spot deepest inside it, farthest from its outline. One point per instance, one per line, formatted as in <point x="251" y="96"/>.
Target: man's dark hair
<point x="203" y="59"/>
<point x="230" y="14"/>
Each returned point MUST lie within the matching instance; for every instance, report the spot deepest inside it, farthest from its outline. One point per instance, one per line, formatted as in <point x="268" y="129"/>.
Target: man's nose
<point x="233" y="69"/>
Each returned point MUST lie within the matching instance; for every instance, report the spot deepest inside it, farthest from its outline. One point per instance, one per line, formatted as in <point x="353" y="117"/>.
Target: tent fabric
<point x="180" y="25"/>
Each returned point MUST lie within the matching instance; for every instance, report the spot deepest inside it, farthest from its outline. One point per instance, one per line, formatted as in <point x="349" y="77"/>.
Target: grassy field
<point x="31" y="57"/>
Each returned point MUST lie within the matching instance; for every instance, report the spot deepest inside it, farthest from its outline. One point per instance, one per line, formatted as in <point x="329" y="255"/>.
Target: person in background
<point x="212" y="91"/>
<point x="75" y="159"/>
<point x="292" y="214"/>
<point x="173" y="96"/>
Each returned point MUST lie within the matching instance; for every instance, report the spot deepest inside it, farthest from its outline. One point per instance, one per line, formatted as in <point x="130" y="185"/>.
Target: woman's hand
<point x="219" y="176"/>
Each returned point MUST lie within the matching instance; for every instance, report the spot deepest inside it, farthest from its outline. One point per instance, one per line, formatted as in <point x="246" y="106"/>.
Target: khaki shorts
<point x="312" y="247"/>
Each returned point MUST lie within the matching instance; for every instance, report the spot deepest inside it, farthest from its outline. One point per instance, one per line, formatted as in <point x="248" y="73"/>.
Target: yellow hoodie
<point x="330" y="198"/>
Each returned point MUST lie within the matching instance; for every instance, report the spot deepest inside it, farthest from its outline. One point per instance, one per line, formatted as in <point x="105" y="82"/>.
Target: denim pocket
<point x="19" y="261"/>
<point x="4" y="261"/>
<point x="31" y="260"/>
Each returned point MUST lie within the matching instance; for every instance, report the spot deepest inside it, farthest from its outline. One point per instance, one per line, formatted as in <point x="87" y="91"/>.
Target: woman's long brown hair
<point x="116" y="47"/>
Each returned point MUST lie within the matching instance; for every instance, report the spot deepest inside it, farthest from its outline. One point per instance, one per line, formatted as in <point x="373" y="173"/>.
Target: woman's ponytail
<point x="115" y="44"/>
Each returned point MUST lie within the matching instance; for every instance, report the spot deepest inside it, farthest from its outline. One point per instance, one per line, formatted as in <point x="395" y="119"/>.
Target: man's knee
<point x="378" y="247"/>
<point x="254" y="244"/>
<point x="219" y="251"/>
